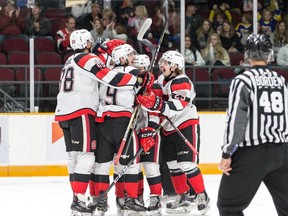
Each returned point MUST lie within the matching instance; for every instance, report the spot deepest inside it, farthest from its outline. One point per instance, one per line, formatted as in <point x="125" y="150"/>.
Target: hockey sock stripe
<point x="140" y="184"/>
<point x="180" y="183"/>
<point x="196" y="181"/>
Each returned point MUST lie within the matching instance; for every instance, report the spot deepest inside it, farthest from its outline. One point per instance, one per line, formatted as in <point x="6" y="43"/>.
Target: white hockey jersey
<point x="178" y="93"/>
<point x="79" y="82"/>
<point x="117" y="102"/>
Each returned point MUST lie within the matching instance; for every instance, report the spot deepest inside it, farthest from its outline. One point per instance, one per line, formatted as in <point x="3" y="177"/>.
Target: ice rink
<point x="51" y="196"/>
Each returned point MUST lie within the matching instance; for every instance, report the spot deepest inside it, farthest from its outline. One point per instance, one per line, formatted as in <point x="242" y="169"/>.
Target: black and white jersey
<point x="79" y="85"/>
<point x="257" y="111"/>
<point x="178" y="93"/>
<point x="114" y="102"/>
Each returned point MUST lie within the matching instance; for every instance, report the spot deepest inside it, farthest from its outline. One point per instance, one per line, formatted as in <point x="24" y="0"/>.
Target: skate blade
<point x="180" y="210"/>
<point x="155" y="212"/>
<point x="77" y="213"/>
<point x="133" y="213"/>
<point x="204" y="211"/>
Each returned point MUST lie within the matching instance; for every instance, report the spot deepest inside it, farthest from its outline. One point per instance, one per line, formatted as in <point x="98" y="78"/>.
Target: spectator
<point x="193" y="20"/>
<point x="218" y="15"/>
<point x="158" y="21"/>
<point x="215" y="53"/>
<point x="203" y="34"/>
<point x="282" y="56"/>
<point x="192" y="55"/>
<point x="97" y="32"/>
<point x="136" y="22"/>
<point x="108" y="19"/>
<point x="126" y="10"/>
<point x="245" y="28"/>
<point x="268" y="21"/>
<point x="36" y="24"/>
<point x="11" y="23"/>
<point x="85" y="22"/>
<point x="63" y="35"/>
<point x="279" y="37"/>
<point x="78" y="10"/>
<point x="229" y="39"/>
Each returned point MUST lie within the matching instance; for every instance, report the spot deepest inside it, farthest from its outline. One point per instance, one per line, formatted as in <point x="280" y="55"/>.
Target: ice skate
<point x="132" y="207"/>
<point x="154" y="208"/>
<point x="182" y="204"/>
<point x="203" y="203"/>
<point x="141" y="200"/>
<point x="120" y="206"/>
<point x="79" y="208"/>
<point x="102" y="207"/>
<point x="167" y="198"/>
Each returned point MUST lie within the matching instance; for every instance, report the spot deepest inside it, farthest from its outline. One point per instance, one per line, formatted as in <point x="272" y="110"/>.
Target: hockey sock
<point x="101" y="183"/>
<point x="128" y="183"/>
<point x="92" y="185"/>
<point x="140" y="183"/>
<point x="155" y="185"/>
<point x="179" y="181"/>
<point x="80" y="183"/>
<point x="195" y="178"/>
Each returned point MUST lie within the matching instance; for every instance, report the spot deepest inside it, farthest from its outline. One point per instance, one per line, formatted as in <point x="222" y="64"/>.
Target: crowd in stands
<point x="232" y="22"/>
<point x="215" y="30"/>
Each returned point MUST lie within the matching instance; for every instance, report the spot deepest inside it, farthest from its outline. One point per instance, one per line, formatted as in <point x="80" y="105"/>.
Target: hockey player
<point x="179" y="91"/>
<point x="151" y="144"/>
<point x="77" y="101"/>
<point x="115" y="110"/>
<point x="255" y="148"/>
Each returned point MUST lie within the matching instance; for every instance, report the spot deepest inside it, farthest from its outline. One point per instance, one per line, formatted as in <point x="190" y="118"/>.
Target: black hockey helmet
<point x="259" y="47"/>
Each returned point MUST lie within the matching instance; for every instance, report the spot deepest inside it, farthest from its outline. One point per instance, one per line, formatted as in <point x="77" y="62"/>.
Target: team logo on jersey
<point x="94" y="144"/>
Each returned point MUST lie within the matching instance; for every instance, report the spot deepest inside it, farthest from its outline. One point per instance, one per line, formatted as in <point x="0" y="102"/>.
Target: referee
<point x="255" y="148"/>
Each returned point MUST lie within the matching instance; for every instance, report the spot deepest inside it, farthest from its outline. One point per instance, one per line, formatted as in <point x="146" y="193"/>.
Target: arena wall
<point x="33" y="144"/>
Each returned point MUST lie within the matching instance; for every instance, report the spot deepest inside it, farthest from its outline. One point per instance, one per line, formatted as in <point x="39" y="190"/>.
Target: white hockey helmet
<point x="142" y="61"/>
<point x="121" y="51"/>
<point x="173" y="57"/>
<point x="79" y="39"/>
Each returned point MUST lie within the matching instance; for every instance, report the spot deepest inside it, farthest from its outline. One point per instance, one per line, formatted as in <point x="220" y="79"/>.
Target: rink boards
<point x="33" y="144"/>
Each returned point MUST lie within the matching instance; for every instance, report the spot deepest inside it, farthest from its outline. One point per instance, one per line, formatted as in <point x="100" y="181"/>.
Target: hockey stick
<point x="182" y="136"/>
<point x="146" y="25"/>
<point x="165" y="7"/>
<point x="96" y="200"/>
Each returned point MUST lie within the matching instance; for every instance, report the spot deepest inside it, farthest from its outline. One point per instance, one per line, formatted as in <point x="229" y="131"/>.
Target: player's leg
<point x="187" y="163"/>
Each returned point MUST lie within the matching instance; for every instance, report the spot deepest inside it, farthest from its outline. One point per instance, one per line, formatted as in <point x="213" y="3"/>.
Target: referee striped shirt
<point x="257" y="110"/>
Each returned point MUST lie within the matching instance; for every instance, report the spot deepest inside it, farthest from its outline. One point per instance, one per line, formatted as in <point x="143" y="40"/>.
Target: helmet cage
<point x="122" y="51"/>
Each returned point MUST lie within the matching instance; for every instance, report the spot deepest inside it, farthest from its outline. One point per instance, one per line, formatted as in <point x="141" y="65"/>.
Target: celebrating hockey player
<point x="180" y="158"/>
<point x="77" y="102"/>
<point x="114" y="113"/>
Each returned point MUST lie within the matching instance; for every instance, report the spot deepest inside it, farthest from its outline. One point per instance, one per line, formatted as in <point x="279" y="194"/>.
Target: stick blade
<point x="146" y="25"/>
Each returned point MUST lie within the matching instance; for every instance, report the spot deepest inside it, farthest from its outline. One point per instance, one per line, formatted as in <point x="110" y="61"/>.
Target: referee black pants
<point x="251" y="166"/>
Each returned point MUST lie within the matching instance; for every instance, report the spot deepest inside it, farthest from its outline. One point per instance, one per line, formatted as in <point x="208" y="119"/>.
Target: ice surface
<point x="51" y="196"/>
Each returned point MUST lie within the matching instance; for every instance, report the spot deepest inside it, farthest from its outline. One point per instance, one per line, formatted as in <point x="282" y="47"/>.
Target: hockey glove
<point x="146" y="138"/>
<point x="145" y="80"/>
<point x="108" y="46"/>
<point x="151" y="102"/>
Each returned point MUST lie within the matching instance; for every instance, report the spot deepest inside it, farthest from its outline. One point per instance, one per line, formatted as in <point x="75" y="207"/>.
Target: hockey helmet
<point x="173" y="57"/>
<point x="142" y="61"/>
<point x="121" y="51"/>
<point x="79" y="39"/>
<point x="259" y="47"/>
